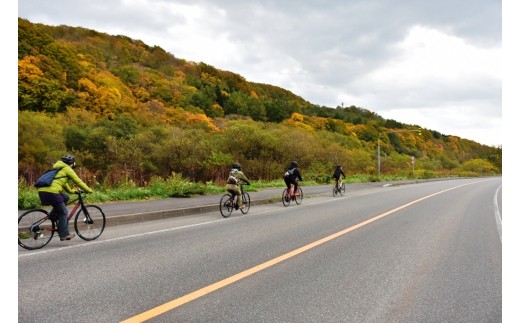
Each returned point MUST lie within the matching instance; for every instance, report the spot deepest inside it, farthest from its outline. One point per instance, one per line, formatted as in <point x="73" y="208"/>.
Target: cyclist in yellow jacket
<point x="56" y="196"/>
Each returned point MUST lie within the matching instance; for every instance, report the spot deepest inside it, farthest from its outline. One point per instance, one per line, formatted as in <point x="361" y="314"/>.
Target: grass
<point x="157" y="188"/>
<point x="176" y="186"/>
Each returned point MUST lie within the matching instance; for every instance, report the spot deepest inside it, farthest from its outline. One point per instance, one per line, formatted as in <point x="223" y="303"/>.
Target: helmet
<point x="237" y="166"/>
<point x="294" y="163"/>
<point x="68" y="159"/>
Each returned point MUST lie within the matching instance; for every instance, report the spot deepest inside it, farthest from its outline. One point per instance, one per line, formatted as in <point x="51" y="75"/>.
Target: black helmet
<point x="237" y="166"/>
<point x="294" y="163"/>
<point x="68" y="159"/>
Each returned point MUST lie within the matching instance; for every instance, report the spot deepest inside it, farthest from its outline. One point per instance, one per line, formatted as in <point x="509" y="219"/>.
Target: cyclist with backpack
<point x="292" y="173"/>
<point x="55" y="194"/>
<point x="236" y="177"/>
<point x="337" y="175"/>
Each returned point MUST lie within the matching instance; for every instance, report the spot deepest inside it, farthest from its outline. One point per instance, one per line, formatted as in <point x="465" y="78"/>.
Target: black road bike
<point x="229" y="203"/>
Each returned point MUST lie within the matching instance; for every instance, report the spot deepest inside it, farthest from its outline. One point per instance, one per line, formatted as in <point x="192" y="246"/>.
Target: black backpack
<point x="289" y="172"/>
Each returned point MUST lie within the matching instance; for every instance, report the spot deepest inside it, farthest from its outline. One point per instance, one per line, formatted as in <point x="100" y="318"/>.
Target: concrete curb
<point x="166" y="214"/>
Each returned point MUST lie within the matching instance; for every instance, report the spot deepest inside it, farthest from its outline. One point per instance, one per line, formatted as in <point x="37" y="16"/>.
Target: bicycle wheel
<point x="226" y="205"/>
<point x="286" y="200"/>
<point x="246" y="200"/>
<point x="89" y="223"/>
<point x="35" y="229"/>
<point x="334" y="190"/>
<point x="299" y="197"/>
<point x="342" y="189"/>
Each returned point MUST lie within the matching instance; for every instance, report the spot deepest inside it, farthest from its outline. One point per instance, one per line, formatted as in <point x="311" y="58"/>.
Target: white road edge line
<point x="497" y="213"/>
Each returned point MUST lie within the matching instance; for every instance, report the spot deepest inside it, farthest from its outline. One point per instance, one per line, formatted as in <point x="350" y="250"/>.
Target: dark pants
<point x="337" y="180"/>
<point x="59" y="207"/>
<point x="288" y="182"/>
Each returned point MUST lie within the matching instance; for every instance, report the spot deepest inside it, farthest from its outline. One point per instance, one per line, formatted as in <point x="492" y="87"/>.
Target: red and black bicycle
<point x="288" y="195"/>
<point x="37" y="227"/>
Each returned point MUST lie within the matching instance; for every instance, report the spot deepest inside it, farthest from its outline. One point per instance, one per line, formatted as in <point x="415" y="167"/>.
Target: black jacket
<point x="293" y="173"/>
<point x="338" y="172"/>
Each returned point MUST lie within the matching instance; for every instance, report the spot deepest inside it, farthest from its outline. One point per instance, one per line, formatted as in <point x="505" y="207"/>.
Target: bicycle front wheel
<point x="35" y="229"/>
<point x="246" y="200"/>
<point x="342" y="189"/>
<point x="89" y="222"/>
<point x="286" y="199"/>
<point x="226" y="205"/>
<point x="299" y="197"/>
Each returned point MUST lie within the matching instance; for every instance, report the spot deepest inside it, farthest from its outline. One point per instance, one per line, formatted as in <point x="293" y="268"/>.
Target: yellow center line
<point x="253" y="270"/>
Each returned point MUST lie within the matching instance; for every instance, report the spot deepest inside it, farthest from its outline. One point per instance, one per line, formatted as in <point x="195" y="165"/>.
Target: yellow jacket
<point x="61" y="180"/>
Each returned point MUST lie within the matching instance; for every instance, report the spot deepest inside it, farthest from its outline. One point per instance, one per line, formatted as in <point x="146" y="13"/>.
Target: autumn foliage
<point x="129" y="111"/>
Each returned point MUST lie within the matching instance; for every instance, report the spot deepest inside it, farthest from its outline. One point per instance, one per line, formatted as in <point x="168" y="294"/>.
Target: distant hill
<point x="84" y="80"/>
<point x="142" y="73"/>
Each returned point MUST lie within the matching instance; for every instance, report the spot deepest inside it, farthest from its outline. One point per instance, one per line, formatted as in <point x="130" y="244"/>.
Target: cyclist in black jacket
<point x="337" y="174"/>
<point x="291" y="175"/>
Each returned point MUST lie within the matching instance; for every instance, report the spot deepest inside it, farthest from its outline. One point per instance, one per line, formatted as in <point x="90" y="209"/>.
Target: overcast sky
<point x="435" y="64"/>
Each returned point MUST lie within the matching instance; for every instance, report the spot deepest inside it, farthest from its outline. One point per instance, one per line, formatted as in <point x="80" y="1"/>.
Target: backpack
<point x="232" y="180"/>
<point x="289" y="172"/>
<point x="46" y="179"/>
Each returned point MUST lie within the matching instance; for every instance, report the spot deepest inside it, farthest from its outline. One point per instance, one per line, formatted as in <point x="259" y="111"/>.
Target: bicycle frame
<point x="338" y="187"/>
<point x="291" y="191"/>
<point x="234" y="196"/>
<point x="338" y="183"/>
<point x="78" y="204"/>
<point x="75" y="208"/>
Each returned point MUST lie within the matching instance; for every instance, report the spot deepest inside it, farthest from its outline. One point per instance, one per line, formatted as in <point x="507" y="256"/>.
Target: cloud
<point x="438" y="81"/>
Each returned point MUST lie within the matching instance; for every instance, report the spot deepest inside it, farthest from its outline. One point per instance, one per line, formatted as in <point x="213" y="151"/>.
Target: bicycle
<point x="229" y="202"/>
<point x="287" y="196"/>
<point x="341" y="189"/>
<point x="36" y="227"/>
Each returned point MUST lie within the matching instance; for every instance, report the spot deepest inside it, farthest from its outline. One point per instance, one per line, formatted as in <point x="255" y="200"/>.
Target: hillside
<point x="134" y="112"/>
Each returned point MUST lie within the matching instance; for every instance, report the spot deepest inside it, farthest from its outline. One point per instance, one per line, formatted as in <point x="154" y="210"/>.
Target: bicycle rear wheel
<point x="90" y="222"/>
<point x="286" y="200"/>
<point x="299" y="197"/>
<point x="334" y="190"/>
<point x="246" y="200"/>
<point x="35" y="229"/>
<point x="226" y="205"/>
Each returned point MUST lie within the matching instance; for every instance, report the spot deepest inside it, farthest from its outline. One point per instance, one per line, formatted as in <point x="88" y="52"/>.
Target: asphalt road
<point x="427" y="252"/>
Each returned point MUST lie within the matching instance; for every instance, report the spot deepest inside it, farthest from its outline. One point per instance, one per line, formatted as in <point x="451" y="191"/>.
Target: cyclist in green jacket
<point x="236" y="177"/>
<point x="56" y="196"/>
